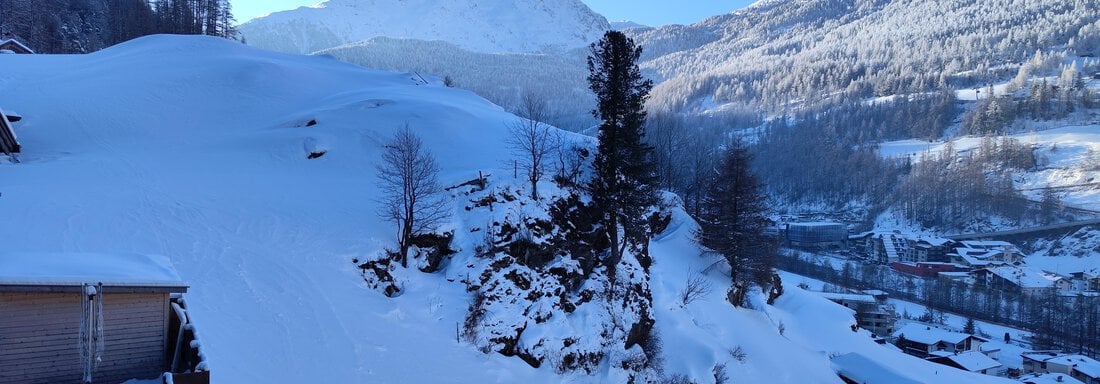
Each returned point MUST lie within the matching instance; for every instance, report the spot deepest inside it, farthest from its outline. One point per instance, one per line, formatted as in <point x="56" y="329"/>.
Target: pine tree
<point x="624" y="184"/>
<point x="732" y="222"/>
<point x="969" y="328"/>
<point x="1049" y="206"/>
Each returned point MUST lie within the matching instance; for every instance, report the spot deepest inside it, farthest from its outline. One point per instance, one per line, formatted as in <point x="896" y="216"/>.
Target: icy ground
<point x="196" y="148"/>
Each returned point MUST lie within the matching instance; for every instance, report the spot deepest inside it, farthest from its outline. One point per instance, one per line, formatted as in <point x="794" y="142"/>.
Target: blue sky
<point x="649" y="12"/>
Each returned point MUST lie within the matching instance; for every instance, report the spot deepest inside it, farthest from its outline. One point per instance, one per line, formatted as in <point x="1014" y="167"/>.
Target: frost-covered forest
<point x="777" y="54"/>
<point x="83" y="26"/>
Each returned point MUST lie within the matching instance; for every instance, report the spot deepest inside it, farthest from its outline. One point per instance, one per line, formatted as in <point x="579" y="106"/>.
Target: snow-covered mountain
<point x="776" y="54"/>
<point x="487" y="26"/>
<point x="627" y="24"/>
<point x="198" y="149"/>
<point x="503" y="78"/>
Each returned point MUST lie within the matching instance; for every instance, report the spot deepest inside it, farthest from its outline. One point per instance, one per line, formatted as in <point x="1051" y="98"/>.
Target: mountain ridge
<point x="488" y="26"/>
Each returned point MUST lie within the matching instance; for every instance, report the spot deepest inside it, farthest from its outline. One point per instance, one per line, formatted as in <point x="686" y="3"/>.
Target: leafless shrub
<point x="697" y="287"/>
<point x="738" y="354"/>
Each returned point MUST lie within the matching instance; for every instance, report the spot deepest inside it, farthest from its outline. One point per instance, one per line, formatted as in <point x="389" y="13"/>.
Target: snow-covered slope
<point x="503" y="78"/>
<point x="487" y="26"/>
<point x="1068" y="160"/>
<point x="195" y="148"/>
<point x="776" y="52"/>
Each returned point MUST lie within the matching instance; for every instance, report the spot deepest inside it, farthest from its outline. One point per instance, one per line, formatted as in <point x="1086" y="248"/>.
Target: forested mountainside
<point x="481" y="26"/>
<point x="835" y="79"/>
<point x="780" y="54"/>
<point x="83" y="26"/>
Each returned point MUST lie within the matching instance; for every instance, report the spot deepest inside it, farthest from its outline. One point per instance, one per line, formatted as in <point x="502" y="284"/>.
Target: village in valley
<point x="952" y="340"/>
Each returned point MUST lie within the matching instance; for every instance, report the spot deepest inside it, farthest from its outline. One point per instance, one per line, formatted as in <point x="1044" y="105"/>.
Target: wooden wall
<point x="8" y="144"/>
<point x="39" y="335"/>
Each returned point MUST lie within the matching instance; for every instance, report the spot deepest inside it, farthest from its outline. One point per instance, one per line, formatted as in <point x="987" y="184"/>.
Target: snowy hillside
<point x="487" y="26"/>
<point x="777" y="52"/>
<point x="196" y="148"/>
<point x="503" y="78"/>
<point x="1068" y="160"/>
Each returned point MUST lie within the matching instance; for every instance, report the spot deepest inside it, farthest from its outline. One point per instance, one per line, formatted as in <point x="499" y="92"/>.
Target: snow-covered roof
<point x="1049" y="378"/>
<point x="975" y="261"/>
<point x="860" y="235"/>
<point x="1081" y="363"/>
<point x="848" y="297"/>
<point x="935" y="241"/>
<point x="863" y="369"/>
<point x="74" y="269"/>
<point x="816" y="224"/>
<point x="929" y="335"/>
<point x="989" y="244"/>
<point x="973" y="361"/>
<point x="979" y="253"/>
<point x="16" y="42"/>
<point x="1091" y="370"/>
<point x="1025" y="277"/>
<point x="893" y="245"/>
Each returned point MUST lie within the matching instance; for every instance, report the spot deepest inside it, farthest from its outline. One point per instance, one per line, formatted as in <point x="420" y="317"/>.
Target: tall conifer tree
<point x="732" y="222"/>
<point x="624" y="185"/>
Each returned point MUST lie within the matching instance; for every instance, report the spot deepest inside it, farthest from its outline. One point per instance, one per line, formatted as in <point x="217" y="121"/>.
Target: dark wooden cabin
<point x="129" y="304"/>
<point x="14" y="46"/>
<point x="8" y="142"/>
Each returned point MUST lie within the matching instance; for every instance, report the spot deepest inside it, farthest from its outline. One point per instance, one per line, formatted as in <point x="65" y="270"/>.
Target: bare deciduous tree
<point x="532" y="139"/>
<point x="408" y="178"/>
<point x="696" y="288"/>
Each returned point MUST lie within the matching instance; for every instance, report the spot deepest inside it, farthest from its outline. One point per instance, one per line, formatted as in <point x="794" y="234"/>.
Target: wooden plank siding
<point x="39" y="337"/>
<point x="8" y="144"/>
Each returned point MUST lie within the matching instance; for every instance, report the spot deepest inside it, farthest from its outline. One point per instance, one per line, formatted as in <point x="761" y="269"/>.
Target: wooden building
<point x="873" y="312"/>
<point x="76" y="318"/>
<point x="14" y="46"/>
<point x="972" y="361"/>
<point x="1082" y="368"/>
<point x="925" y="341"/>
<point x="8" y="142"/>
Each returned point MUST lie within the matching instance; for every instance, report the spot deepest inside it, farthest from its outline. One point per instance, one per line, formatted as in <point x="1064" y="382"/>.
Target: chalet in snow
<point x="949" y="348"/>
<point x="8" y="142"/>
<point x="873" y="311"/>
<point x="1048" y="378"/>
<point x="925" y="341"/>
<point x="1026" y="281"/>
<point x="95" y="318"/>
<point x="14" y="46"/>
<point x="1082" y="368"/>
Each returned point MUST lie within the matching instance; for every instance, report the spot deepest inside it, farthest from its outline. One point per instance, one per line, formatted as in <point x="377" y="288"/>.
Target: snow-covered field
<point x="195" y="148"/>
<point x="192" y="148"/>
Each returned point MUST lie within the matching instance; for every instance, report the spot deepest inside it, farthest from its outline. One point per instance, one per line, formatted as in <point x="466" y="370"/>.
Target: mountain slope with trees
<point x="778" y="54"/>
<point x="83" y="26"/>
